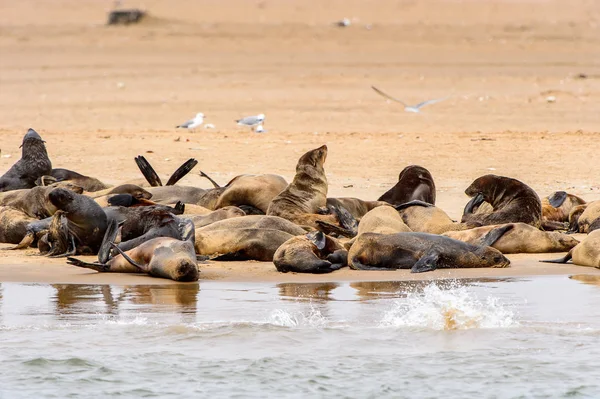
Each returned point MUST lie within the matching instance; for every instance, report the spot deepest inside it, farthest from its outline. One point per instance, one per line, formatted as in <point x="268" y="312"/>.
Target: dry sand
<point x="101" y="95"/>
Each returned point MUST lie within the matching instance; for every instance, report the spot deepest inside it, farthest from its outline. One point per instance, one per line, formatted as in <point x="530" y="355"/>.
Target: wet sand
<point x="518" y="104"/>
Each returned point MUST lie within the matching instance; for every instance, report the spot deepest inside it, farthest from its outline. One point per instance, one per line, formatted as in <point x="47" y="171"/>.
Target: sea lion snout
<point x="60" y="197"/>
<point x="32" y="134"/>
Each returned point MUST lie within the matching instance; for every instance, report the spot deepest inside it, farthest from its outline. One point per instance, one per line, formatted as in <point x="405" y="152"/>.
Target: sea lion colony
<point x="143" y="226"/>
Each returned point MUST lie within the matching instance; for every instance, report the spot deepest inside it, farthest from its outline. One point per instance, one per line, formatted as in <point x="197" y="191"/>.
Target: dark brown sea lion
<point x="255" y="222"/>
<point x="34" y="202"/>
<point x="306" y="195"/>
<point x="86" y="222"/>
<point x="521" y="238"/>
<point x="586" y="253"/>
<point x="159" y="257"/>
<point x="312" y="253"/>
<point x="89" y="184"/>
<point x="414" y="183"/>
<point x="132" y="189"/>
<point x="594" y="226"/>
<point x="587" y="216"/>
<point x="556" y="209"/>
<point x="13" y="225"/>
<point x="215" y="216"/>
<point x="421" y="252"/>
<point x="240" y="244"/>
<point x="357" y="207"/>
<point x="34" y="163"/>
<point x="513" y="201"/>
<point x="425" y="218"/>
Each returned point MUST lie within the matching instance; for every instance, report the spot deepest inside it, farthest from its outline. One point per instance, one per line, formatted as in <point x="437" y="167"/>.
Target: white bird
<point x="251" y="120"/>
<point x="408" y="108"/>
<point x="193" y="123"/>
<point x="259" y="129"/>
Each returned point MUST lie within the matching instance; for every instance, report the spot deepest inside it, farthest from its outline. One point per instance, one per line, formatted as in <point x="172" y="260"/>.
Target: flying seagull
<point x="407" y="108"/>
<point x="193" y="123"/>
<point x="251" y="120"/>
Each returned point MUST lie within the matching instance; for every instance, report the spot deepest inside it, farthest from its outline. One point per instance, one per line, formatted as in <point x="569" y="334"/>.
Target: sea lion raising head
<point x="414" y="183"/>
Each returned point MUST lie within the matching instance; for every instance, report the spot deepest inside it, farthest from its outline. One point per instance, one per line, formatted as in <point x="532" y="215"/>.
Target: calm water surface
<point x="487" y="339"/>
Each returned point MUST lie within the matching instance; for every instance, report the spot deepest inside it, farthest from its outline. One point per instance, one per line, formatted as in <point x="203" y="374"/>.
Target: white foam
<point x="312" y="319"/>
<point x="451" y="309"/>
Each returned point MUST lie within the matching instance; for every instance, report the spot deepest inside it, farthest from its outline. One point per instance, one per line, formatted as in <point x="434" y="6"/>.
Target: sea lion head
<point x="486" y="256"/>
<point x="31" y="135"/>
<point x="315" y="158"/>
<point x="481" y="185"/>
<point x="415" y="172"/>
<point x="61" y="198"/>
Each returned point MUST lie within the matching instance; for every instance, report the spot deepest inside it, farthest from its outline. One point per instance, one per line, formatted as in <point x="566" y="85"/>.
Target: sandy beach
<point x="522" y="81"/>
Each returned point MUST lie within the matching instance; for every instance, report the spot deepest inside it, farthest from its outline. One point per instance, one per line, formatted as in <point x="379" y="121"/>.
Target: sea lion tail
<point x="127" y="258"/>
<point x="564" y="259"/>
<point x="109" y="236"/>
<point x="99" y="267"/>
<point x="495" y="234"/>
<point x="214" y="183"/>
<point x="408" y="204"/>
<point x="182" y="171"/>
<point x="25" y="242"/>
<point x="148" y="171"/>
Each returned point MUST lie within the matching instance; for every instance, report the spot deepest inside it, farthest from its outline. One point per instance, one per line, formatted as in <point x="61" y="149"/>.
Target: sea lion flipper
<point x="182" y="171"/>
<point x="318" y="239"/>
<point x="126" y="257"/>
<point x="148" y="171"/>
<point x="232" y="256"/>
<point x="25" y="242"/>
<point x="214" y="183"/>
<point x="477" y="200"/>
<point x="564" y="259"/>
<point x="427" y="262"/>
<point x="179" y="208"/>
<point x="557" y="198"/>
<point x="109" y="236"/>
<point x="408" y="204"/>
<point x="188" y="231"/>
<point x="329" y="228"/>
<point x="125" y="200"/>
<point x="251" y="210"/>
<point x="494" y="235"/>
<point x="94" y="266"/>
<point x="345" y="218"/>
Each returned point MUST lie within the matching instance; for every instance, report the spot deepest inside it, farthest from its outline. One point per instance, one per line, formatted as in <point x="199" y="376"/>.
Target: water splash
<point x="448" y="309"/>
<point x="311" y="319"/>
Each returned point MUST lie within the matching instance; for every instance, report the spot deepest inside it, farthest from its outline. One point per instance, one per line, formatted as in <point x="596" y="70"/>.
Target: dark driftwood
<point x="125" y="17"/>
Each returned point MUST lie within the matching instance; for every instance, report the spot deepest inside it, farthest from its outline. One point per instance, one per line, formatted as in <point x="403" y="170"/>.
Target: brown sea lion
<point x="311" y="253"/>
<point x="132" y="189"/>
<point x="556" y="209"/>
<point x="586" y="253"/>
<point x="306" y="195"/>
<point x="255" y="222"/>
<point x="34" y="202"/>
<point x="13" y="225"/>
<point x="357" y="207"/>
<point x="34" y="163"/>
<point x="240" y="244"/>
<point x="574" y="217"/>
<point x="513" y="201"/>
<point x="414" y="183"/>
<point x="250" y="190"/>
<point x="159" y="257"/>
<point x="586" y="218"/>
<point x="520" y="238"/>
<point x="227" y="212"/>
<point x="89" y="184"/>
<point x="382" y="220"/>
<point x="86" y="222"/>
<point x="421" y="252"/>
<point x="425" y="218"/>
<point x="594" y="226"/>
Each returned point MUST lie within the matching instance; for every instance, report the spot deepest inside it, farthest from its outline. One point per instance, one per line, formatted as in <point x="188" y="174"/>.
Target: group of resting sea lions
<point x="165" y="230"/>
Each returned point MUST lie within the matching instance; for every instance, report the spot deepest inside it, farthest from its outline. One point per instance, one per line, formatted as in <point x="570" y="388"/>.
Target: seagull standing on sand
<point x="407" y="108"/>
<point x="193" y="123"/>
<point x="251" y="120"/>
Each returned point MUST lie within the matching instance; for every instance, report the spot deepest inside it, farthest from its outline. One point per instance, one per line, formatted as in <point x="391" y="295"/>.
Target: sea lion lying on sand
<point x="240" y="244"/>
<point x="255" y="222"/>
<point x="414" y="183"/>
<point x="519" y="238"/>
<point x="513" y="201"/>
<point x="215" y="216"/>
<point x="422" y="252"/>
<point x="159" y="257"/>
<point x="586" y="253"/>
<point x="587" y="216"/>
<point x="89" y="184"/>
<point x="311" y="253"/>
<point x="425" y="218"/>
<point x="34" y="163"/>
<point x="13" y="225"/>
<point x="357" y="207"/>
<point x="556" y="209"/>
<point x="34" y="202"/>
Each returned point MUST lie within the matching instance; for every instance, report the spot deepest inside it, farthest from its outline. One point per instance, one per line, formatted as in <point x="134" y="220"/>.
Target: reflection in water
<point x="71" y="297"/>
<point x="312" y="291"/>
<point x="592" y="279"/>
<point x="184" y="296"/>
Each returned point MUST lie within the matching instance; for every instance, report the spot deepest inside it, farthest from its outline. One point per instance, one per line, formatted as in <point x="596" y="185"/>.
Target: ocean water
<point x="511" y="338"/>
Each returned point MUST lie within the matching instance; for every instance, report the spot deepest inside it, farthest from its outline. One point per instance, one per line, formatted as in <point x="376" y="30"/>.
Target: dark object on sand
<point x="125" y="17"/>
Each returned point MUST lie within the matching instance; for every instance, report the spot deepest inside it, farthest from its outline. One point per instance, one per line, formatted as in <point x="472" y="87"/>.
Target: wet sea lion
<point x="159" y="257"/>
<point x="90" y="184"/>
<point x="306" y="195"/>
<point x="240" y="244"/>
<point x="34" y="202"/>
<point x="311" y="253"/>
<point x="86" y="222"/>
<point x="34" y="163"/>
<point x="556" y="209"/>
<point x="513" y="201"/>
<point x="425" y="218"/>
<point x="587" y="217"/>
<point x="255" y="222"/>
<point x="586" y="253"/>
<point x="421" y="252"/>
<point x="519" y="238"/>
<point x="414" y="183"/>
<point x="215" y="216"/>
<point x="357" y="207"/>
<point x="13" y="225"/>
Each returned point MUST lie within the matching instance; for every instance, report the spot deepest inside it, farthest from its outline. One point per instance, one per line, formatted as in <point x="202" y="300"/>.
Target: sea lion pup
<point x="160" y="257"/>
<point x="357" y="207"/>
<point x="521" y="238"/>
<point x="513" y="201"/>
<point x="255" y="222"/>
<point x="34" y="202"/>
<point x="90" y="184"/>
<point x="422" y="252"/>
<point x="306" y="195"/>
<point x="425" y="218"/>
<point x="314" y="252"/>
<point x="85" y="220"/>
<point x="215" y="216"/>
<point x="240" y="244"/>
<point x="13" y="225"/>
<point x="556" y="209"/>
<point x="586" y="218"/>
<point x="414" y="183"/>
<point x="34" y="163"/>
<point x="586" y="253"/>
